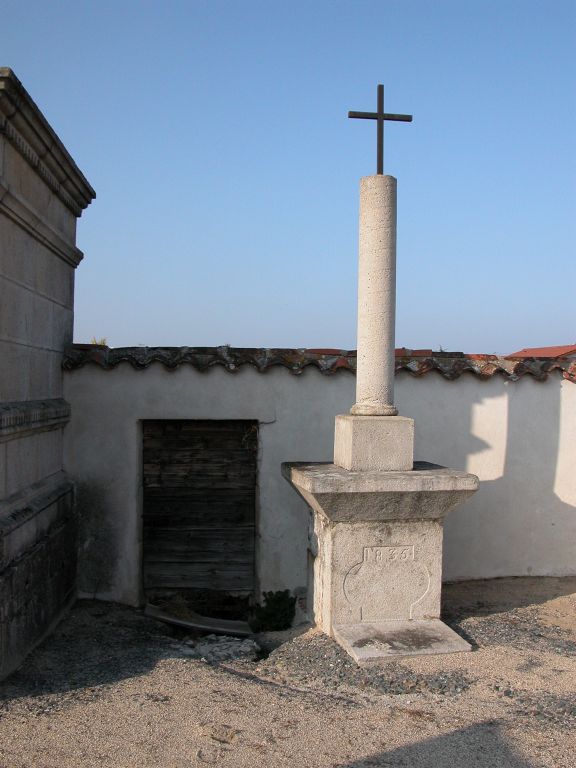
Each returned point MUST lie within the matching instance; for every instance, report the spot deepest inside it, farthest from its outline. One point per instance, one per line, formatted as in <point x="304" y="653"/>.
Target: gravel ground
<point x="113" y="688"/>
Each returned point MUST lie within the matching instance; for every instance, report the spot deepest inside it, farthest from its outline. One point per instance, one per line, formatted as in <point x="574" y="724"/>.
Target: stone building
<point x="42" y="194"/>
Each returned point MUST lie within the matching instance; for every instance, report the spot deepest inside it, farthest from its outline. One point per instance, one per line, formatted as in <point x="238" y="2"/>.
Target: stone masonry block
<point x="365" y="443"/>
<point x="31" y="458"/>
<point x="14" y="371"/>
<point x="38" y="584"/>
<point x="385" y="572"/>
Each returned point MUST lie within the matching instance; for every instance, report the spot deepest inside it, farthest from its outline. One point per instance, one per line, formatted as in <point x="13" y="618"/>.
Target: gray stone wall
<point x="42" y="193"/>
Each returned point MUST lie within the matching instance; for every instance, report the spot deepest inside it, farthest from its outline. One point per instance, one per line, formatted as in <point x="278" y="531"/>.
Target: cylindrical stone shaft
<point x="376" y="298"/>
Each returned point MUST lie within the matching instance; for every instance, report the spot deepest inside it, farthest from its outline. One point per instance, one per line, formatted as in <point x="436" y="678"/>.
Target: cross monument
<point x="380" y="116"/>
<point x="376" y="538"/>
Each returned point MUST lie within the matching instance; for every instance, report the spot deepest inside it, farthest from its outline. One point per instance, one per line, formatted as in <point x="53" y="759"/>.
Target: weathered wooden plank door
<point x="199" y="505"/>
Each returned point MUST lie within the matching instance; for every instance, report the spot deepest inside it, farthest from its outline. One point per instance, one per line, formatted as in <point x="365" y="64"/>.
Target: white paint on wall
<point x="518" y="437"/>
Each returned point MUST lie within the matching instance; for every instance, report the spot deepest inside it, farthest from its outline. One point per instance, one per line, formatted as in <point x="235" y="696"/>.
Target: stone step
<point x="386" y="640"/>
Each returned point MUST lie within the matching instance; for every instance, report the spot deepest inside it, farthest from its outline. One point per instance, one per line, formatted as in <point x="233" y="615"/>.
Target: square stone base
<point x="374" y="443"/>
<point x="387" y="640"/>
<point x="375" y="551"/>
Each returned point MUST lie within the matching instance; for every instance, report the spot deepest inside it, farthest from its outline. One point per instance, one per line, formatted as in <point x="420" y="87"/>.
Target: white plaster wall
<point x="518" y="437"/>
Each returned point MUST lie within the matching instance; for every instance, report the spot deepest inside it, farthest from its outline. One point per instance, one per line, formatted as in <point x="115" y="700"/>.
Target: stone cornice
<point x="451" y="365"/>
<point x="20" y="212"/>
<point x="18" y="509"/>
<point x="29" y="132"/>
<point x="23" y="417"/>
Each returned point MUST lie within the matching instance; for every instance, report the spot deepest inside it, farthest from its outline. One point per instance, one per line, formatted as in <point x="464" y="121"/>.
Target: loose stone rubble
<point x="316" y="661"/>
<point x="217" y="648"/>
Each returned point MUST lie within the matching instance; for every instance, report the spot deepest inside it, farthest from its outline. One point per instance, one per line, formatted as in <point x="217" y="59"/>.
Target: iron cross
<point x="380" y="116"/>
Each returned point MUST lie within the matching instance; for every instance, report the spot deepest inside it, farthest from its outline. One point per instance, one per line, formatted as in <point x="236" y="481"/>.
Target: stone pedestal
<point x="376" y="546"/>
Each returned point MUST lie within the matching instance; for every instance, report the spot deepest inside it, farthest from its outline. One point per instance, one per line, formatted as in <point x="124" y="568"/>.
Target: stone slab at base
<point x="387" y="640"/>
<point x="374" y="443"/>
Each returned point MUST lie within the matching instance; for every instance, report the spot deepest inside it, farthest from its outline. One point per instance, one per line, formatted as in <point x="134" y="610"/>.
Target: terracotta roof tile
<point x="451" y="365"/>
<point x="561" y="351"/>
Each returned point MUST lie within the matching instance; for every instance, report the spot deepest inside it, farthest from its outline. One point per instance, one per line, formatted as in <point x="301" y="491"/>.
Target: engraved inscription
<point x="387" y="583"/>
<point x="388" y="554"/>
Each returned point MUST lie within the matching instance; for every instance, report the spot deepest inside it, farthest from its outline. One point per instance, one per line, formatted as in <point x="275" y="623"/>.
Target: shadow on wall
<point x="483" y="745"/>
<point x="531" y="524"/>
<point x="516" y="524"/>
<point x="98" y="541"/>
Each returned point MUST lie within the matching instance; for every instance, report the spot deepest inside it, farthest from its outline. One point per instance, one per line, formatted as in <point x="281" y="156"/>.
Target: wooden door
<point x="199" y="505"/>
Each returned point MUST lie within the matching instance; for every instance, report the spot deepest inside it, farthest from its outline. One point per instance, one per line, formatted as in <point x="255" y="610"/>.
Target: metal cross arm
<point x="380" y="116"/>
<point x="385" y="116"/>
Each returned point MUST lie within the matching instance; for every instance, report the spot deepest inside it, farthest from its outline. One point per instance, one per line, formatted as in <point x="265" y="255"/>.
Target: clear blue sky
<point x="216" y="137"/>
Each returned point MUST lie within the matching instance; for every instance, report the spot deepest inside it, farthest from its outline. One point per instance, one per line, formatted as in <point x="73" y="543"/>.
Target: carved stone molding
<point x="18" y="509"/>
<point x="19" y="212"/>
<point x="26" y="128"/>
<point x="19" y="418"/>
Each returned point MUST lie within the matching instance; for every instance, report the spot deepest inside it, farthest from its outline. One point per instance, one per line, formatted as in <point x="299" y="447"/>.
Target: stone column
<point x="376" y="298"/>
<point x="373" y="436"/>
